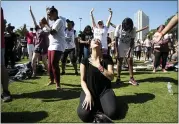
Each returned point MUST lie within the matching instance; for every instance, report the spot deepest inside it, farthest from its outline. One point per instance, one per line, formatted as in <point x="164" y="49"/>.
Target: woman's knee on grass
<point x="84" y="115"/>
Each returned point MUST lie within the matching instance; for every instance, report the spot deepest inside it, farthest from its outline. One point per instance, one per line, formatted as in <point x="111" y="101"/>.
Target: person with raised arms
<point x="41" y="43"/>
<point x="101" y="30"/>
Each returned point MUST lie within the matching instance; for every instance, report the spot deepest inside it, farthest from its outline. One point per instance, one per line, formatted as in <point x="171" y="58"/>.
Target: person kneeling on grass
<point x="96" y="76"/>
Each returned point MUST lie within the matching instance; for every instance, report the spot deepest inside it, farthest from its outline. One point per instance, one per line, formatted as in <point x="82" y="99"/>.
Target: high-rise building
<point x="141" y="20"/>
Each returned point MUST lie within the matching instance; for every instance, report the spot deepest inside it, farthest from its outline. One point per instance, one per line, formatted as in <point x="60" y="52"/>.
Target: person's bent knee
<point x="112" y="113"/>
<point x="84" y="115"/>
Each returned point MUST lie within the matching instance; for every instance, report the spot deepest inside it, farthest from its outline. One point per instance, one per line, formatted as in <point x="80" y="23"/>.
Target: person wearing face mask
<point x="96" y="76"/>
<point x="101" y="30"/>
<point x="71" y="41"/>
<point x="41" y="44"/>
<point x="125" y="35"/>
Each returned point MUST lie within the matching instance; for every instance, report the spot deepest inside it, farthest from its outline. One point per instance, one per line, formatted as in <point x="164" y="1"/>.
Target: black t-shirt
<point x="86" y="37"/>
<point x="96" y="82"/>
<point x="10" y="40"/>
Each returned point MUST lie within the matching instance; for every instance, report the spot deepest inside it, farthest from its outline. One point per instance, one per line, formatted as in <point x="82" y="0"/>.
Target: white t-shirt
<point x="147" y="43"/>
<point x="57" y="41"/>
<point x="123" y="36"/>
<point x="64" y="20"/>
<point x="70" y="38"/>
<point x="124" y="40"/>
<point x="101" y="34"/>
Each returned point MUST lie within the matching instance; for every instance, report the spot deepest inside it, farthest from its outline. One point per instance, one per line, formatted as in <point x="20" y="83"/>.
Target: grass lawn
<point x="149" y="102"/>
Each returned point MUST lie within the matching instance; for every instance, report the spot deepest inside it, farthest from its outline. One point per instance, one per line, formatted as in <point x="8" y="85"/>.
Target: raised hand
<point x="91" y="12"/>
<point x="110" y="10"/>
<point x="47" y="8"/>
<point x="30" y="9"/>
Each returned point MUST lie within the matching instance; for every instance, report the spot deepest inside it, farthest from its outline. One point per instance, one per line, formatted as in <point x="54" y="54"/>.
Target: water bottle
<point x="169" y="86"/>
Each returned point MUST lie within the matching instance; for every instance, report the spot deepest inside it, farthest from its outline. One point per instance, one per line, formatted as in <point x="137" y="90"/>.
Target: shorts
<point x="148" y="49"/>
<point x="40" y="51"/>
<point x="2" y="56"/>
<point x="123" y="49"/>
<point x="30" y="48"/>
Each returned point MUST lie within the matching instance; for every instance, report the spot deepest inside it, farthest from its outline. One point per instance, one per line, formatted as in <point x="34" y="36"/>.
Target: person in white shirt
<point x="57" y="45"/>
<point x="125" y="35"/>
<point x="148" y="45"/>
<point x="101" y="30"/>
<point x="71" y="47"/>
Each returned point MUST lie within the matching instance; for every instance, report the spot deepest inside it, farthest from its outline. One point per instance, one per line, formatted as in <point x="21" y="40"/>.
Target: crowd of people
<point x="93" y="48"/>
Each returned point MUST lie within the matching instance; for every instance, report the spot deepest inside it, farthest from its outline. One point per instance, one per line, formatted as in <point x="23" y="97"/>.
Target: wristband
<point x="101" y="69"/>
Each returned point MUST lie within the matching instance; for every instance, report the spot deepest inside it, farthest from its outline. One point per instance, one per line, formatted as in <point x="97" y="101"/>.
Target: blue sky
<point x="17" y="12"/>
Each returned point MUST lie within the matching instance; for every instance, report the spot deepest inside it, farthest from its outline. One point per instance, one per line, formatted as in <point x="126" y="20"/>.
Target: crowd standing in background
<point x="93" y="49"/>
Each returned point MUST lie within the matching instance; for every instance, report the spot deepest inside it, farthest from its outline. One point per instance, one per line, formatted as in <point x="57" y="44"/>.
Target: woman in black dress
<point x="96" y="76"/>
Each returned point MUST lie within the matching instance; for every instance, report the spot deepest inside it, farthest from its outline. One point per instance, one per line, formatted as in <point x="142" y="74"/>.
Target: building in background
<point x="141" y="20"/>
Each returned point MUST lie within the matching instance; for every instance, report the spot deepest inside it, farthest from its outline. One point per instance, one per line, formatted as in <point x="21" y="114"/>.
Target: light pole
<point x="80" y="23"/>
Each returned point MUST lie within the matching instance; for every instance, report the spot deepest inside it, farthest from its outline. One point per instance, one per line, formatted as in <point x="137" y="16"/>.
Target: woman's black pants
<point x="107" y="104"/>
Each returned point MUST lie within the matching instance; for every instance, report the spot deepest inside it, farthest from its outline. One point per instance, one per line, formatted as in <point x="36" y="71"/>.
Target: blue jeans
<point x="86" y="52"/>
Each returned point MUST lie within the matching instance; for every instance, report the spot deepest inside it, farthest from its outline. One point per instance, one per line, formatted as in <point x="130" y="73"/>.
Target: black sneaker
<point x="101" y="118"/>
<point x="63" y="73"/>
<point x="118" y="81"/>
<point x="6" y="97"/>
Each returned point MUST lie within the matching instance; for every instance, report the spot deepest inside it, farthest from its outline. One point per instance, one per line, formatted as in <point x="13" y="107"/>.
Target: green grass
<point x="149" y="102"/>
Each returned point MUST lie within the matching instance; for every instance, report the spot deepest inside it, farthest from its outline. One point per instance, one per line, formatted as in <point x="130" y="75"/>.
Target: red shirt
<point x="2" y="29"/>
<point x="30" y="37"/>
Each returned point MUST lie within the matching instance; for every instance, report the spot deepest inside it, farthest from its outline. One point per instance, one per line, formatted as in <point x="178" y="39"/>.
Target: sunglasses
<point x="100" y="23"/>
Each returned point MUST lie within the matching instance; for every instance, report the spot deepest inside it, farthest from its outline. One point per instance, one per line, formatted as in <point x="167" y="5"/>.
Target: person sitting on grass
<point x="96" y="76"/>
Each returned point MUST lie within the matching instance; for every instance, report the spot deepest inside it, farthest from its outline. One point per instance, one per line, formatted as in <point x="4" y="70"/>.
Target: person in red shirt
<point x="5" y="96"/>
<point x="30" y="43"/>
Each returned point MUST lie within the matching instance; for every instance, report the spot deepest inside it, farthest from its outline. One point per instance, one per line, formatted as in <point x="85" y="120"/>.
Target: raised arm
<point x="33" y="18"/>
<point x="170" y="25"/>
<point x="142" y="29"/>
<point x="92" y="18"/>
<point x="47" y="8"/>
<point x="109" y="18"/>
<point x="114" y="26"/>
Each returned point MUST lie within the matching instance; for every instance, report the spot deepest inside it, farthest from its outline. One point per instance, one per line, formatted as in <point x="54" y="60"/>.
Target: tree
<point x="22" y="31"/>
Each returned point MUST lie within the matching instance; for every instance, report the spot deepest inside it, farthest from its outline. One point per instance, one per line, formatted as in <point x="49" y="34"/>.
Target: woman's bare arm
<point x="109" y="18"/>
<point x="142" y="29"/>
<point x="83" y="83"/>
<point x="33" y="18"/>
<point x="169" y="26"/>
<point x="92" y="18"/>
<point x="114" y="26"/>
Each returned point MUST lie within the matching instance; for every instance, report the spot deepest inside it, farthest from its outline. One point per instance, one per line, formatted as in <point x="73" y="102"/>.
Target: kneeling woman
<point x="96" y="75"/>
